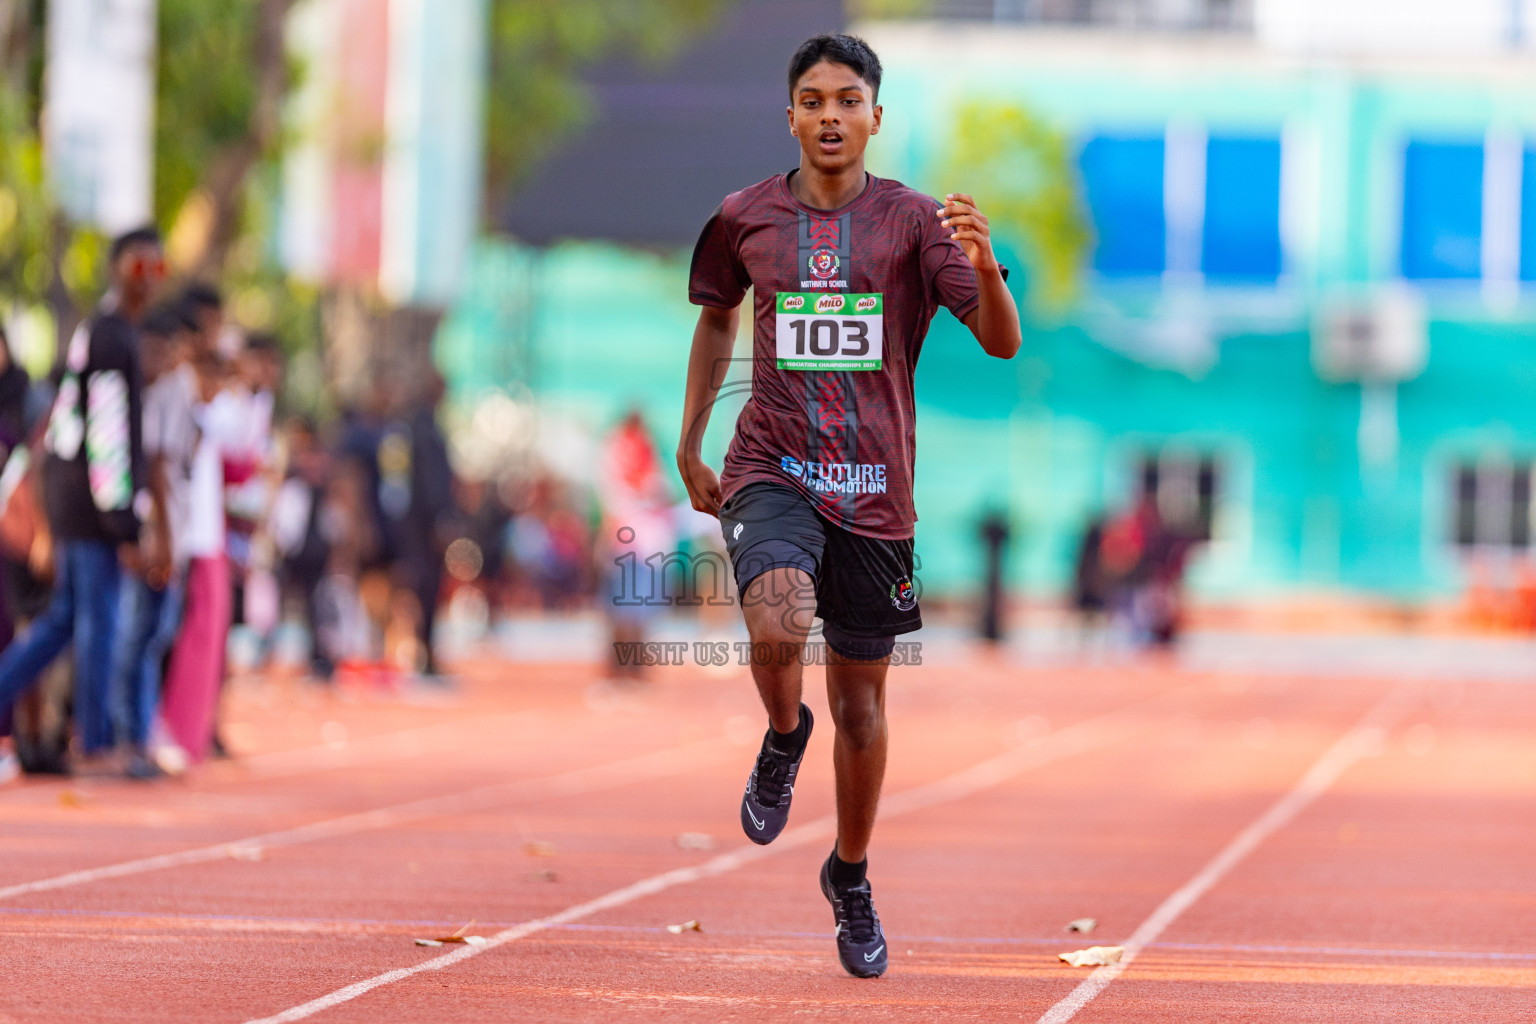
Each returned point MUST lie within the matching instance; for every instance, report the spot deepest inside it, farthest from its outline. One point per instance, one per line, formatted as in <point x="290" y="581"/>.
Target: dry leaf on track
<point x="1093" y="956"/>
<point x="456" y="938"/>
<point x="686" y="926"/>
<point x="1082" y="924"/>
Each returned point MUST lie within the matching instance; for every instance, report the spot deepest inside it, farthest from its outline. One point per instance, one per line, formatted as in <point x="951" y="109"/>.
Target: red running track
<point x="1381" y="873"/>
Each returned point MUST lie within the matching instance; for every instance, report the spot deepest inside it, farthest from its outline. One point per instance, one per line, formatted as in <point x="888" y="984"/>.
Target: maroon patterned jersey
<point x="843" y="299"/>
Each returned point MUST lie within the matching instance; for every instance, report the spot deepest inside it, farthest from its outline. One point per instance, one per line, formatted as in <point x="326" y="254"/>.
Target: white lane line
<point x="646" y="767"/>
<point x="1362" y="741"/>
<point x="1081" y="738"/>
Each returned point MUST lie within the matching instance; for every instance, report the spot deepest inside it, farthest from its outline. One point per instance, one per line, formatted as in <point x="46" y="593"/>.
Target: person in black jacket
<point x="423" y="529"/>
<point x="92" y="469"/>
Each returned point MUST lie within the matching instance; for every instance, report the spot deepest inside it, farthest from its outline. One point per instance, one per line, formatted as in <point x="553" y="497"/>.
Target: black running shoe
<point x="860" y="939"/>
<point x="765" y="805"/>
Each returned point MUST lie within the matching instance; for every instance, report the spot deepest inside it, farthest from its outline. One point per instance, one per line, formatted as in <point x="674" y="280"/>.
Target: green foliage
<point x="205" y="92"/>
<point x="538" y="50"/>
<point x="1019" y="169"/>
<point x="889" y="8"/>
<point x="25" y="205"/>
<point x="30" y="224"/>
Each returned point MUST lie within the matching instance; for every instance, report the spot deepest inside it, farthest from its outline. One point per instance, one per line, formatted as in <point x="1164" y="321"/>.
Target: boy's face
<point x="210" y="380"/>
<point x="154" y="350"/>
<point x="139" y="272"/>
<point x="210" y="323"/>
<point x="178" y="350"/>
<point x="833" y="113"/>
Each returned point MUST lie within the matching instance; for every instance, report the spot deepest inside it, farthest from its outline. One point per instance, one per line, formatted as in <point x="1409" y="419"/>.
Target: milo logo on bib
<point x="829" y="331"/>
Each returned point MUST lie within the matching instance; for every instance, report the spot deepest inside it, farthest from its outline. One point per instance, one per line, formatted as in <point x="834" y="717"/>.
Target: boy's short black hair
<point x="263" y="344"/>
<point x="849" y="51"/>
<point x="163" y="322"/>
<point x="146" y="235"/>
<point x="201" y="296"/>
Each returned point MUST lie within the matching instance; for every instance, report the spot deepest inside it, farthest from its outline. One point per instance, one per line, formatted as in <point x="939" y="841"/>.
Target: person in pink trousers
<point x="197" y="661"/>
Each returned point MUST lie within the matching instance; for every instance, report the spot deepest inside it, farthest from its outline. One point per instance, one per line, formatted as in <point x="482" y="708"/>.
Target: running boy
<point x="815" y="501"/>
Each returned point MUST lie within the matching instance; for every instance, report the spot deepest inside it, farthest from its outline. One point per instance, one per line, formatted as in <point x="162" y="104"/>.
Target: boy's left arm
<point x="995" y="320"/>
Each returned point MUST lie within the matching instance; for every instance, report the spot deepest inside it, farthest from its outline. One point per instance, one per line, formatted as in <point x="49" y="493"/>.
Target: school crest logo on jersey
<point x="825" y="256"/>
<point x="824" y="264"/>
<point x="904" y="594"/>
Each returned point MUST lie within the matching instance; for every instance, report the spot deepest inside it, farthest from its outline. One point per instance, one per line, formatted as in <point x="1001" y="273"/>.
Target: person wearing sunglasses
<point x="92" y="470"/>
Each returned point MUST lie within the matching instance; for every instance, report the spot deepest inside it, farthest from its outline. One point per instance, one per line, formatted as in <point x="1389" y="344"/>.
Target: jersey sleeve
<point x="114" y="440"/>
<point x="717" y="277"/>
<point x="947" y="275"/>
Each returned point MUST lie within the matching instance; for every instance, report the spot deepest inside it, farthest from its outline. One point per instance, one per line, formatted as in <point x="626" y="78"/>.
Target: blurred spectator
<point x="484" y="524"/>
<point x="425" y="527"/>
<point x="197" y="660"/>
<point x="254" y="375"/>
<point x="994" y="534"/>
<point x="1140" y="570"/>
<point x="1092" y="586"/>
<point x="343" y="628"/>
<point x="637" y="525"/>
<point x="548" y="543"/>
<point x="150" y="610"/>
<point x="205" y="306"/>
<point x="89" y="491"/>
<point x="40" y="720"/>
<point x="362" y="438"/>
<point x="302" y="536"/>
<point x="14" y="385"/>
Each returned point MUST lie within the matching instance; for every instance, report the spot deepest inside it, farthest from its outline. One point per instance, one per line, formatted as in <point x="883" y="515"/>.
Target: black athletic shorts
<point x="865" y="594"/>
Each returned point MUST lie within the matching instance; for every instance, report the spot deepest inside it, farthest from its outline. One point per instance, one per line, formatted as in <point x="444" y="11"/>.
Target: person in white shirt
<point x="149" y="612"/>
<point x="197" y="660"/>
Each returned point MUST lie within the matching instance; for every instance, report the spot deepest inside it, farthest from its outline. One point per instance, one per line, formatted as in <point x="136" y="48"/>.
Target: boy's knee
<point x="860" y="723"/>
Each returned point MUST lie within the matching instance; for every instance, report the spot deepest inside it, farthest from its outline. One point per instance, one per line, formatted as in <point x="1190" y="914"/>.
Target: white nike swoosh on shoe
<point x="869" y="958"/>
<point x="760" y="824"/>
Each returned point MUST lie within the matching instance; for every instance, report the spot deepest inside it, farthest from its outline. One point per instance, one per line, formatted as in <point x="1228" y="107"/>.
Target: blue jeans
<point x="83" y="610"/>
<point x="148" y="620"/>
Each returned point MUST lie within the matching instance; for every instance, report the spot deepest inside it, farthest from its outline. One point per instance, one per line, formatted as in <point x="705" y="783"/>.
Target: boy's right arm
<point x="713" y="339"/>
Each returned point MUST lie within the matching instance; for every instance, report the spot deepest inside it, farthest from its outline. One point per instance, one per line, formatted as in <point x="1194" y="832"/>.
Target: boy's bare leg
<point x="856" y="693"/>
<point x="778" y="607"/>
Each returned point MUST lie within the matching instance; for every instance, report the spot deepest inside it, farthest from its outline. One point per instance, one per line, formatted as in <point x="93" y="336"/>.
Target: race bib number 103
<point x="829" y="331"/>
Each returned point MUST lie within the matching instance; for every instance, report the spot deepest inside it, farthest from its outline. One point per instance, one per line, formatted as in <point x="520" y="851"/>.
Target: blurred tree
<point x="43" y="258"/>
<point x="223" y="74"/>
<point x="538" y="51"/>
<point x="26" y="209"/>
<point x="1019" y="170"/>
<point x="889" y="8"/>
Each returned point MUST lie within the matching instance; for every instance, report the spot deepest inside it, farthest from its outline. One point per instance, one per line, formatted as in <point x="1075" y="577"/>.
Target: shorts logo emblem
<point x="736" y="533"/>
<point x="903" y="595"/>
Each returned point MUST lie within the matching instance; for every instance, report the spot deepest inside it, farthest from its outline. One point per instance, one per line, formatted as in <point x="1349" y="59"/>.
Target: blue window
<point x="1528" y="216"/>
<point x="1443" y="210"/>
<point x="1123" y="178"/>
<point x="1241" y="235"/>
